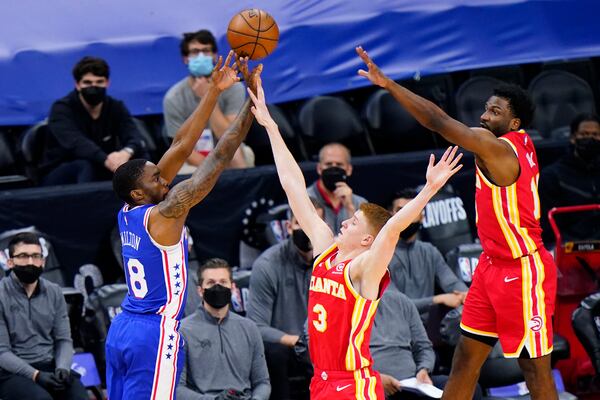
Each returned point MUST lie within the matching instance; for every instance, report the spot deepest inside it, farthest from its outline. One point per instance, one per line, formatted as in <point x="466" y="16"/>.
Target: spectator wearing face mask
<point x="224" y="357"/>
<point x="36" y="349"/>
<point x="90" y="133"/>
<point x="278" y="304"/>
<point x="417" y="267"/>
<point x="574" y="180"/>
<point x="199" y="52"/>
<point x="331" y="190"/>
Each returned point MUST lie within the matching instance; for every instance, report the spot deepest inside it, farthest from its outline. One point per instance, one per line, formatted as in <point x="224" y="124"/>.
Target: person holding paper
<point x="402" y="352"/>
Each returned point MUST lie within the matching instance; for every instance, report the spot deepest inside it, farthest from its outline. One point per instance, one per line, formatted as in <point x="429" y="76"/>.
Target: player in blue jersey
<point x="143" y="348"/>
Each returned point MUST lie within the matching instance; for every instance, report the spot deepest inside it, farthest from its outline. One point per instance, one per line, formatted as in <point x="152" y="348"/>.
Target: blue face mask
<point x="201" y="65"/>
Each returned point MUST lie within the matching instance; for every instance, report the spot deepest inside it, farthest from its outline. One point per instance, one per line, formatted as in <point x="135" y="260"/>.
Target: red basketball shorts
<point x="513" y="301"/>
<point x="346" y="385"/>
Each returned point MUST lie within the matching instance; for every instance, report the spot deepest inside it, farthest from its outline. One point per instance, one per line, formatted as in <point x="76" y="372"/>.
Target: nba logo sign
<point x="464" y="265"/>
<point x="474" y="262"/>
<point x="277" y="230"/>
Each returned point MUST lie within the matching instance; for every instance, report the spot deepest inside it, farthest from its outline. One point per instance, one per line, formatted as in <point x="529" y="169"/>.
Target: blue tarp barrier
<point x="41" y="40"/>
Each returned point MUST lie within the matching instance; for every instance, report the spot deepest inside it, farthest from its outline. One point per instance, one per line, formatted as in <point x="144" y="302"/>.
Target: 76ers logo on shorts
<point x="536" y="323"/>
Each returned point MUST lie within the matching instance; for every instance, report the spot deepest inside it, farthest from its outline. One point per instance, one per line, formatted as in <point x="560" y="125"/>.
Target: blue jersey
<point x="156" y="275"/>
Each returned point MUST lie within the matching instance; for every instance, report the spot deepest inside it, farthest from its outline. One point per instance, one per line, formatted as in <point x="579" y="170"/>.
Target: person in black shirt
<point x="574" y="180"/>
<point x="90" y="134"/>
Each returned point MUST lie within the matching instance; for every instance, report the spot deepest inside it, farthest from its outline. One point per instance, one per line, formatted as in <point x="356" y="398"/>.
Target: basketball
<point x="253" y="33"/>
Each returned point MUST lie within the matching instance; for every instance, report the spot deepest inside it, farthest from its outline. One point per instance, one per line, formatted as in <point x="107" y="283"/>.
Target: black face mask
<point x="217" y="296"/>
<point x="93" y="95"/>
<point x="27" y="273"/>
<point x="331" y="176"/>
<point x="410" y="230"/>
<point x="301" y="240"/>
<point x="587" y="148"/>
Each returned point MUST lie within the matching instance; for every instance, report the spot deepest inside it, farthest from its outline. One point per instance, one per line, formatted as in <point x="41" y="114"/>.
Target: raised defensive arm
<point x="496" y="155"/>
<point x="369" y="267"/>
<point x="291" y="177"/>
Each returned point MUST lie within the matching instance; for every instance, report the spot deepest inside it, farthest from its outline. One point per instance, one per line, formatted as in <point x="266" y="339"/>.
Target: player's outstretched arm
<point x="291" y="177"/>
<point x="370" y="266"/>
<point x="168" y="218"/>
<point x="224" y="75"/>
<point x="496" y="155"/>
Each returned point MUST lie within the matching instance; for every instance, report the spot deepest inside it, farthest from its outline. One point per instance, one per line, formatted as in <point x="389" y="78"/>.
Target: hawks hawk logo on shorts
<point x="536" y="323"/>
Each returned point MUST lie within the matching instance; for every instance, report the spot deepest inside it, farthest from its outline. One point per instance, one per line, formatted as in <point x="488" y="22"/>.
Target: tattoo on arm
<point x="190" y="192"/>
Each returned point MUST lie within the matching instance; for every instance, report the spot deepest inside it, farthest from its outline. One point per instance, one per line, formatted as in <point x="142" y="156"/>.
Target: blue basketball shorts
<point x="144" y="357"/>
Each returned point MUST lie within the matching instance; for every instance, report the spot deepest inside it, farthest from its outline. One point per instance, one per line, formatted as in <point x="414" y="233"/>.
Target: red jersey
<point x="339" y="319"/>
<point x="508" y="217"/>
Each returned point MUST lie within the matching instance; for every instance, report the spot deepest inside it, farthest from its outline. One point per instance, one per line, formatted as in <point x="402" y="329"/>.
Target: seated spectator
<point x="417" y="266"/>
<point x="574" y="180"/>
<point x="36" y="349"/>
<point x="91" y="133"/>
<point x="400" y="347"/>
<point x="224" y="357"/>
<point x="584" y="320"/>
<point x="199" y="52"/>
<point x="278" y="304"/>
<point x="331" y="189"/>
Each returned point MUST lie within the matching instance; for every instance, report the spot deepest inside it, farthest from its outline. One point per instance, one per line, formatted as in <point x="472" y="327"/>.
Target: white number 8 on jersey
<point x="137" y="278"/>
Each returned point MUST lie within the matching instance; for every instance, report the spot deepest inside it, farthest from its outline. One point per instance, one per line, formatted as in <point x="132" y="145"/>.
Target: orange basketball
<point x="253" y="33"/>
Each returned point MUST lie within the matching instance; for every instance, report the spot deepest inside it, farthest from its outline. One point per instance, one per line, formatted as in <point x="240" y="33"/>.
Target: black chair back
<point x="559" y="96"/>
<point x="258" y="139"/>
<point x="471" y="97"/>
<point x="32" y="147"/>
<point x="392" y="128"/>
<point x="326" y="119"/>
